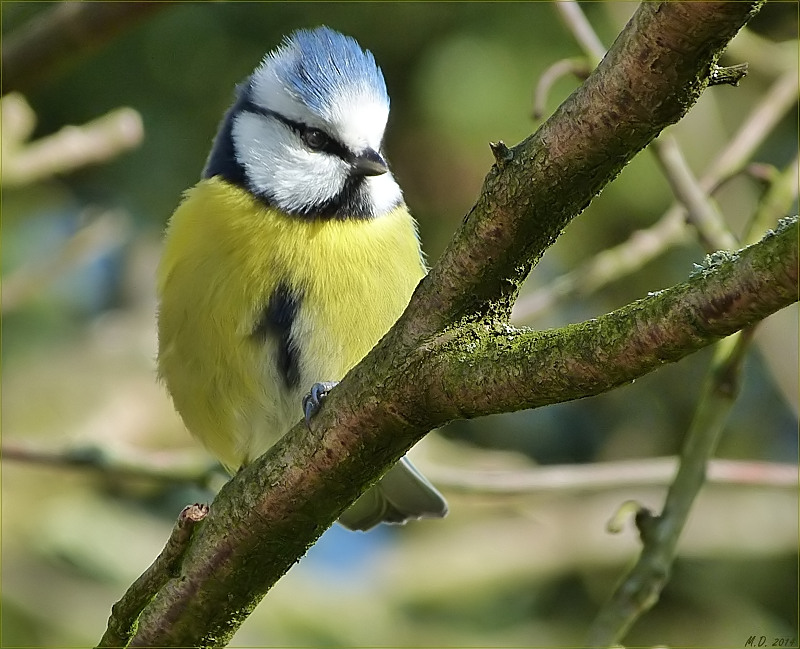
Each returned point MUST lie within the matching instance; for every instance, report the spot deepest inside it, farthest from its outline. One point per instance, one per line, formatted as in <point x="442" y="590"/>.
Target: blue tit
<point x="290" y="258"/>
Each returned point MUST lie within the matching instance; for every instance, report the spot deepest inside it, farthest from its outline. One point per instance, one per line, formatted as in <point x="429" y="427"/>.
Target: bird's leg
<point x="312" y="402"/>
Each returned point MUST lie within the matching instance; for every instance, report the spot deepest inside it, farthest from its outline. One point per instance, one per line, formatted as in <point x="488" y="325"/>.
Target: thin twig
<point x="575" y="67"/>
<point x="161" y="467"/>
<point x="700" y="210"/>
<point x="730" y="75"/>
<point x="575" y="20"/>
<point x="579" y="478"/>
<point x="762" y="172"/>
<point x="641" y="588"/>
<point x="645" y="245"/>
<point x="122" y="622"/>
<point x="781" y="193"/>
<point x="70" y="148"/>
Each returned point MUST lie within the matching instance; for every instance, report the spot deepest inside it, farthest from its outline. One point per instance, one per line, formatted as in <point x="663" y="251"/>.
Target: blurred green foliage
<point x="501" y="571"/>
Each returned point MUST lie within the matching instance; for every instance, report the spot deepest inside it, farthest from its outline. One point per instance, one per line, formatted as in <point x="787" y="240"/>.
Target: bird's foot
<point x="312" y="402"/>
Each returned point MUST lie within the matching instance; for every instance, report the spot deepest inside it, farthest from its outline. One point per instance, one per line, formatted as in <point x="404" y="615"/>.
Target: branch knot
<point x="502" y="154"/>
<point x="731" y="75"/>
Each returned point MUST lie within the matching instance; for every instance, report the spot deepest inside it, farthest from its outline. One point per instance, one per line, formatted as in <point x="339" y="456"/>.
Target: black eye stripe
<point x="332" y="146"/>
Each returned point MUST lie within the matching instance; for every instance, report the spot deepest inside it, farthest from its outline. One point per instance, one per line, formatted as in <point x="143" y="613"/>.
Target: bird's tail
<point x="403" y="494"/>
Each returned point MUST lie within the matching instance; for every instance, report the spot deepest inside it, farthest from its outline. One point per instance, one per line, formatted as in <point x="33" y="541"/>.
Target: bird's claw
<point x="312" y="402"/>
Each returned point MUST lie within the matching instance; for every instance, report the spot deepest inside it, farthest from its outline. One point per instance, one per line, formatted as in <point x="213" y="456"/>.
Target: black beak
<point x="369" y="163"/>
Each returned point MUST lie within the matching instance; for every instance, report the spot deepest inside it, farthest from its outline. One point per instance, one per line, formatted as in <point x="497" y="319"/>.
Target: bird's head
<point x="306" y="130"/>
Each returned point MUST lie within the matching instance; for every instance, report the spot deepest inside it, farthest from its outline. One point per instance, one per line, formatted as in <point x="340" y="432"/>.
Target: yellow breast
<point x="225" y="255"/>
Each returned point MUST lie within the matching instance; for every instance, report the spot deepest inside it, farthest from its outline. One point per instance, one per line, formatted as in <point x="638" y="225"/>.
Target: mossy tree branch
<point x="476" y="370"/>
<point x="455" y="330"/>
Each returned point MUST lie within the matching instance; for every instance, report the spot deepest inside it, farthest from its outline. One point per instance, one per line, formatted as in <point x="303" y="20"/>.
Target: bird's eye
<point x="315" y="139"/>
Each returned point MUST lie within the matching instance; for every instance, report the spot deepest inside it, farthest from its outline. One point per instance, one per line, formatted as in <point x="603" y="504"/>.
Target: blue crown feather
<point x="320" y="65"/>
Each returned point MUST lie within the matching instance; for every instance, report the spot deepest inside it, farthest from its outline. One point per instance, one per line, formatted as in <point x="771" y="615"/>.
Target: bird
<point x="288" y="260"/>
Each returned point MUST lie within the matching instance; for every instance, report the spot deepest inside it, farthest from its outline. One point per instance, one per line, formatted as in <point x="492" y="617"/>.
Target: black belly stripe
<point x="275" y="321"/>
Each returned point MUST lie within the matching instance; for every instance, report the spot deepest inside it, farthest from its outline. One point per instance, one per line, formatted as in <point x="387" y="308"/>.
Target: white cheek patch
<point x="279" y="166"/>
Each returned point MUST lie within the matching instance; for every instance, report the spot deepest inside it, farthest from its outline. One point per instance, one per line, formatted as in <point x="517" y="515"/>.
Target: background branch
<point x="579" y="68"/>
<point x="701" y="211"/>
<point x="575" y="20"/>
<point x="56" y="37"/>
<point x="564" y="479"/>
<point x="600" y="476"/>
<point x="172" y="467"/>
<point x="72" y="147"/>
<point x="645" y="245"/>
<point x="641" y="588"/>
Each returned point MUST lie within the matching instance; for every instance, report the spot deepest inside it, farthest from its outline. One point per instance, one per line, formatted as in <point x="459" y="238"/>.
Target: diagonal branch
<point x="651" y="76"/>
